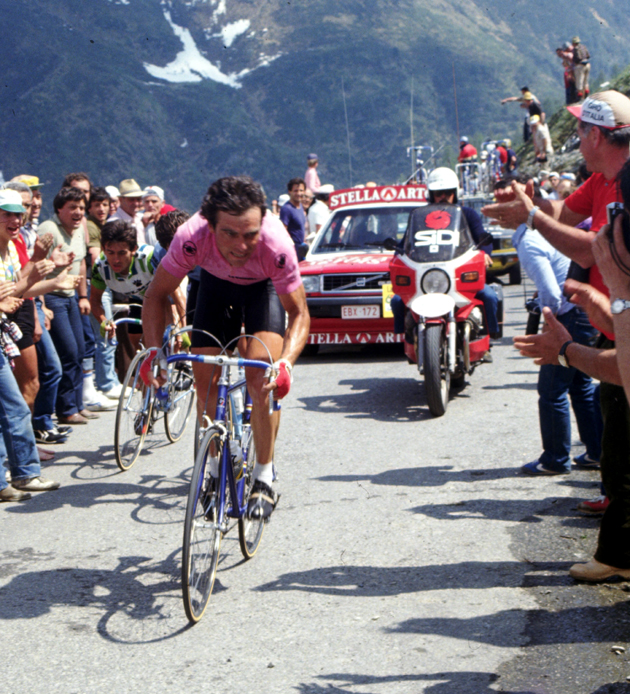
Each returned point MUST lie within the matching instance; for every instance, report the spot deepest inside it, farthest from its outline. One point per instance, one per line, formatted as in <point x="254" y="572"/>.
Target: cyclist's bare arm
<point x="296" y="335"/>
<point x="154" y="306"/>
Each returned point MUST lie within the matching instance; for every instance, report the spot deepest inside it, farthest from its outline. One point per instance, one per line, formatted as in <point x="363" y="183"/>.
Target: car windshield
<point x="364" y="229"/>
<point x="437" y="233"/>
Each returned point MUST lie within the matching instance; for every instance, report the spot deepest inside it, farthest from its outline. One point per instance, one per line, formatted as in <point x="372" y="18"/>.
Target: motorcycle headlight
<point x="435" y="282"/>
<point x="312" y="283"/>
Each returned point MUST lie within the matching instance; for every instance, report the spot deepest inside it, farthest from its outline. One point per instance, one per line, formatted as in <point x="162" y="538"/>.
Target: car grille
<point x="355" y="282"/>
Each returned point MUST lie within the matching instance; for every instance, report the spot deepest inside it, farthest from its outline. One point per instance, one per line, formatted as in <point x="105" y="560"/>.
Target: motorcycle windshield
<point x="437" y="233"/>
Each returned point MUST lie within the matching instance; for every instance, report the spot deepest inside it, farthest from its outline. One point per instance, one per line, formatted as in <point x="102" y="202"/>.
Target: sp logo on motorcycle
<point x="436" y="238"/>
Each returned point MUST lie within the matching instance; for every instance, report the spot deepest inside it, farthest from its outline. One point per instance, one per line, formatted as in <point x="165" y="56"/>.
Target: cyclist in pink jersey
<point x="250" y="276"/>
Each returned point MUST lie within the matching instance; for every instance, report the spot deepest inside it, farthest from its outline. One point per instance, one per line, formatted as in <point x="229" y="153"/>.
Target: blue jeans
<point x="554" y="383"/>
<point x="49" y="372"/>
<point x="17" y="440"/>
<point x="490" y="303"/>
<point x="66" y="330"/>
<point x="105" y="357"/>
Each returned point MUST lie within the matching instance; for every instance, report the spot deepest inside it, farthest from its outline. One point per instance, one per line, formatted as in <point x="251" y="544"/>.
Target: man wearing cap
<point x="311" y="177"/>
<point x="533" y="106"/>
<point x="130" y="206"/>
<point x="581" y="67"/>
<point x="604" y="131"/>
<point x="318" y="212"/>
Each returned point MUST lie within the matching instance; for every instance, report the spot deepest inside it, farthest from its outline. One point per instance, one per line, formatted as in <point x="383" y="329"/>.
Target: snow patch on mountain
<point x="233" y="30"/>
<point x="189" y="64"/>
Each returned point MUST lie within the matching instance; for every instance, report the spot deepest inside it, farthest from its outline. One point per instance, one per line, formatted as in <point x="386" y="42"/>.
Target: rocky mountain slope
<point x="178" y="92"/>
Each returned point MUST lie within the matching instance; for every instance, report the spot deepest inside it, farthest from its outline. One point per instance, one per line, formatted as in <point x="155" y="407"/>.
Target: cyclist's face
<point x="237" y="235"/>
<point x="119" y="256"/>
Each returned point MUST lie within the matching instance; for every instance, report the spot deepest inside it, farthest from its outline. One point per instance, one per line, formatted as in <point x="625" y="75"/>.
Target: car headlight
<point x="435" y="282"/>
<point x="312" y="283"/>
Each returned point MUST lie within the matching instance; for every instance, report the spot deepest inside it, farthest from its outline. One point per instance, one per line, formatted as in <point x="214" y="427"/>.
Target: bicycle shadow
<point x="155" y="495"/>
<point x="135" y="599"/>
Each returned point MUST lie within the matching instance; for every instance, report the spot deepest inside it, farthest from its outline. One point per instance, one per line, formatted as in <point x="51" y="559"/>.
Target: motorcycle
<point x="437" y="274"/>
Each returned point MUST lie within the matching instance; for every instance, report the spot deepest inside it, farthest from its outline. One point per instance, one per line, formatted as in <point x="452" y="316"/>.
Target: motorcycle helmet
<point x="463" y="140"/>
<point x="507" y="142"/>
<point x="443" y="178"/>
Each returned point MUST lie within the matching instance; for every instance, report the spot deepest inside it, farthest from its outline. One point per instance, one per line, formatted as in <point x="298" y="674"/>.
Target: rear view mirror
<point x="390" y="244"/>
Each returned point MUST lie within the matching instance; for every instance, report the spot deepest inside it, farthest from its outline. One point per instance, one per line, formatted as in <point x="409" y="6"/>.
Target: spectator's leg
<point x="66" y="331"/>
<point x="49" y="371"/>
<point x="105" y="353"/>
<point x="555" y="419"/>
<point x="613" y="546"/>
<point x="490" y="303"/>
<point x="17" y="430"/>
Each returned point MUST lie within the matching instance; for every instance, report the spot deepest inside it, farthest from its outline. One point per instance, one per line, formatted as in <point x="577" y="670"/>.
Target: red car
<point x="346" y="271"/>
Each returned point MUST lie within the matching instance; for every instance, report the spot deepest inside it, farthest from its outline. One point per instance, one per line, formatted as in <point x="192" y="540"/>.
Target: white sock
<point x="264" y="473"/>
<point x="213" y="463"/>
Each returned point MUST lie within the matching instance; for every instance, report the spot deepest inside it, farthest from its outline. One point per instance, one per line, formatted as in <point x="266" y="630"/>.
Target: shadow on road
<point x="443" y="683"/>
<point x="370" y="581"/>
<point x="135" y="599"/>
<point x="591" y="624"/>
<point x="382" y="399"/>
<point x="429" y="476"/>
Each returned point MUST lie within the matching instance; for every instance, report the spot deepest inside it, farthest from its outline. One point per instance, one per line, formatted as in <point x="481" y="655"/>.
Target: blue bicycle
<point x="212" y="502"/>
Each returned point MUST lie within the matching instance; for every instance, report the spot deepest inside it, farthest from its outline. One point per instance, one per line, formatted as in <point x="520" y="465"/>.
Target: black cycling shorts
<point x="223" y="307"/>
<point x="24" y="318"/>
<point x="135" y="311"/>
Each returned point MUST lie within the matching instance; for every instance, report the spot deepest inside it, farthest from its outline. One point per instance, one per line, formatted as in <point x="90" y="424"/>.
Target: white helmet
<point x="442" y="178"/>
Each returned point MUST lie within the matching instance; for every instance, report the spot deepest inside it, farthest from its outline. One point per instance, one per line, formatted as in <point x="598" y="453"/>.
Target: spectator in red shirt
<point x="467" y="152"/>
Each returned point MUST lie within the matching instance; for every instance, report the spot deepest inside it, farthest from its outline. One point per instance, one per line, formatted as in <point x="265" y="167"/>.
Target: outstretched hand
<point x="544" y="348"/>
<point x="595" y="303"/>
<point x="61" y="258"/>
<point x="513" y="205"/>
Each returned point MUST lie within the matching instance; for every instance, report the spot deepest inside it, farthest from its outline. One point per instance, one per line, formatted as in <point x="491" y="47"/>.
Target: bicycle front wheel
<point x="250" y="530"/>
<point x="202" y="535"/>
<point x="181" y="394"/>
<point x="133" y="417"/>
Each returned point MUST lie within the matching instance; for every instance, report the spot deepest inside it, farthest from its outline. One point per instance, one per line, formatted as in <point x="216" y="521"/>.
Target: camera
<point x="613" y="210"/>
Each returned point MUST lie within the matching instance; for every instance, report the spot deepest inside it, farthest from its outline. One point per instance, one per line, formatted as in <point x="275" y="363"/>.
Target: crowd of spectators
<point x="581" y="267"/>
<point x="60" y="282"/>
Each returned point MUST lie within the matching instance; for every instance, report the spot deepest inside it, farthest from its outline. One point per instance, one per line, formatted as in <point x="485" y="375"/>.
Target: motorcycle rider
<point x="443" y="186"/>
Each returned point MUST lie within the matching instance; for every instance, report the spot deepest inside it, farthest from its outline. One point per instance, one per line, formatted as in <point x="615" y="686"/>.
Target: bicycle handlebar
<point x="222" y="360"/>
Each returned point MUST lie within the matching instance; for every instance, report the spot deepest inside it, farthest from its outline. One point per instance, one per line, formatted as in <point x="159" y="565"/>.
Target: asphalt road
<point x="407" y="554"/>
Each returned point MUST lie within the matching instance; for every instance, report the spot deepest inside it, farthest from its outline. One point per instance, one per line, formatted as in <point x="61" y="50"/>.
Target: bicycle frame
<point x="220" y="422"/>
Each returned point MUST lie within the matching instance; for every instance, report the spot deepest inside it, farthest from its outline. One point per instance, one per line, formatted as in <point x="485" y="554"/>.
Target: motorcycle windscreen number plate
<point x="358" y="312"/>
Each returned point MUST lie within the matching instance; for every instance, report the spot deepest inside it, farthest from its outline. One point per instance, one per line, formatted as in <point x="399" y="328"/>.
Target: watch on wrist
<point x="530" y="217"/>
<point x="562" y="357"/>
<point x="619" y="306"/>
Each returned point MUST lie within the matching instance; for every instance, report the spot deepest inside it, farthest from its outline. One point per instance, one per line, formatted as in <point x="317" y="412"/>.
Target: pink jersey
<point x="311" y="179"/>
<point x="274" y="257"/>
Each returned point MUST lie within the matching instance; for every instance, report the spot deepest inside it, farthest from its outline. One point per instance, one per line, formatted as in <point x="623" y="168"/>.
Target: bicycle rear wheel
<point x="202" y="535"/>
<point x="250" y="530"/>
<point x="133" y="416"/>
<point x="181" y="394"/>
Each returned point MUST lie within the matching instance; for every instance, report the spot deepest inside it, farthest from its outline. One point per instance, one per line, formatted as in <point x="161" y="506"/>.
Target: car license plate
<point x="360" y="312"/>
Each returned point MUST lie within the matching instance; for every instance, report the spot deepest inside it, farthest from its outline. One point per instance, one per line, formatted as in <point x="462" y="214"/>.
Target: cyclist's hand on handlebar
<point x="281" y="378"/>
<point x="108" y="329"/>
<point x="146" y="369"/>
